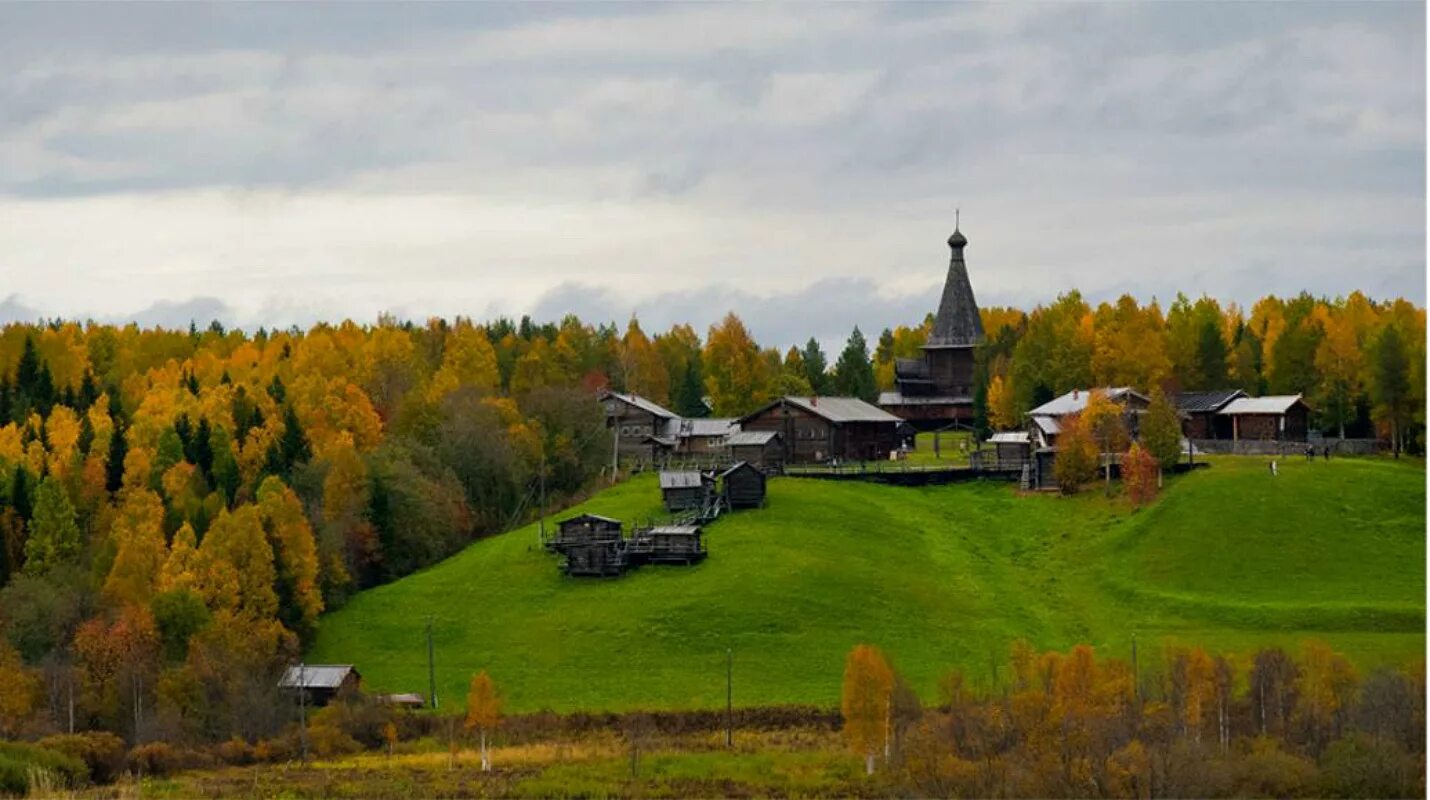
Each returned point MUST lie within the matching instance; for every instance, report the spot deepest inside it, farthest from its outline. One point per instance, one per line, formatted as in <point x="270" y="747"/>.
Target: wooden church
<point x="936" y="390"/>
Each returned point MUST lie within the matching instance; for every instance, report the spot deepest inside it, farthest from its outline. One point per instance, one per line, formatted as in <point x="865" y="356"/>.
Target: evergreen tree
<point x="296" y="449"/>
<point x="277" y="390"/>
<point x="689" y="396"/>
<point x="7" y="400"/>
<point x="54" y="532"/>
<point x="114" y="464"/>
<point x="1390" y="382"/>
<point x="201" y="449"/>
<point x="86" y="435"/>
<point x="854" y="373"/>
<point x="816" y="366"/>
<point x="1211" y="355"/>
<point x="88" y="391"/>
<point x="20" y="498"/>
<point x="225" y="473"/>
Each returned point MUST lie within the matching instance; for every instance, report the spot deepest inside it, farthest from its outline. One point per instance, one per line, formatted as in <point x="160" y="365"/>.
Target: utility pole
<point x="615" y="447"/>
<point x="303" y="709"/>
<point x="1136" y="676"/>
<point x="431" y="669"/>
<point x="729" y="697"/>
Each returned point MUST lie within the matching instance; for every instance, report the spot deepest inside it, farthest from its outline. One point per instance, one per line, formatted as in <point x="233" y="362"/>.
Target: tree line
<point x="177" y="508"/>
<point x="1194" y="724"/>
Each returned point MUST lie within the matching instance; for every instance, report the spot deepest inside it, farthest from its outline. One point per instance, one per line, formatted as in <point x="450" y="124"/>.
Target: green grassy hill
<point x="1229" y="558"/>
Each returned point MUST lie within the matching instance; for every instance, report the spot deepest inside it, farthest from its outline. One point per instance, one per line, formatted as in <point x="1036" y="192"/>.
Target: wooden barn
<point x="1201" y="413"/>
<point x="320" y="683"/>
<point x="699" y="436"/>
<point x="1281" y="418"/>
<point x="743" y="486"/>
<point x="761" y="448"/>
<point x="584" y="529"/>
<point x="817" y="429"/>
<point x="686" y="490"/>
<point x="937" y="388"/>
<point x="1011" y="447"/>
<point x="1045" y="421"/>
<point x="667" y="544"/>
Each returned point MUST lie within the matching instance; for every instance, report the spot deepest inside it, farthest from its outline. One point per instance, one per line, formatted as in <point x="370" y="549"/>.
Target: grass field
<point x="1229" y="558"/>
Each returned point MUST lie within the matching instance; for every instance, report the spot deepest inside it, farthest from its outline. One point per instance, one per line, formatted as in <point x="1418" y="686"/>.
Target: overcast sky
<point x="799" y="164"/>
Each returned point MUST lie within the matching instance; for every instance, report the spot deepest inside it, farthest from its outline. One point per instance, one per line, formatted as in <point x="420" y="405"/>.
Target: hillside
<point x="1229" y="558"/>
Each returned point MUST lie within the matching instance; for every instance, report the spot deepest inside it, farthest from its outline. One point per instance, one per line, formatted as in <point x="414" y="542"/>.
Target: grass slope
<point x="1229" y="558"/>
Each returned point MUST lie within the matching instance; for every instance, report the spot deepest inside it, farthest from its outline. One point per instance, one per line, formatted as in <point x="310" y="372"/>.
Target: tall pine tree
<point x="854" y="373"/>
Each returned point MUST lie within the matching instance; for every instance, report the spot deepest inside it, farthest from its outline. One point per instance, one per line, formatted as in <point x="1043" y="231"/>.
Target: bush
<point x="19" y="760"/>
<point x="162" y="758"/>
<point x="329" y="740"/>
<point x="103" y="753"/>
<point x="235" y="752"/>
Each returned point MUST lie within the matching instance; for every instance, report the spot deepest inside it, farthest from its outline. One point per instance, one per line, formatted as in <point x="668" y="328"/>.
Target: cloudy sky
<point x="799" y="164"/>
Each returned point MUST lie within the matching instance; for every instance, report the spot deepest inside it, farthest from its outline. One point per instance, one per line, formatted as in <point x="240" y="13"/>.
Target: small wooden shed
<point x="320" y="683"/>
<point x="599" y="559"/>
<point x="761" y="448"/>
<point x="686" y="490"/>
<point x="584" y="529"/>
<point x="1011" y="447"/>
<point x="743" y="486"/>
<point x="667" y="544"/>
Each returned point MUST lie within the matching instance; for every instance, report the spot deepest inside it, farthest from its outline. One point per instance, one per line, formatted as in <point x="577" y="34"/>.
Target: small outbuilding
<point x="667" y="544"/>
<point x="320" y="683"/>
<point x="761" y="448"/>
<point x="408" y="700"/>
<point x="1011" y="447"/>
<point x="743" y="486"/>
<point x="1201" y="413"/>
<point x="596" y="559"/>
<point x="686" y="490"/>
<point x="584" y="529"/>
<point x="1281" y="418"/>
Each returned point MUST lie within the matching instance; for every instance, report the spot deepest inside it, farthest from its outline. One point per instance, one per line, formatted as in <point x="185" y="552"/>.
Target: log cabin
<point x="743" y="486"/>
<point x="320" y="683"/>
<point x="1201" y="413"/>
<point x="1280" y="418"/>
<point x="761" y="448"/>
<point x="819" y="429"/>
<point x="686" y="490"/>
<point x="667" y="544"/>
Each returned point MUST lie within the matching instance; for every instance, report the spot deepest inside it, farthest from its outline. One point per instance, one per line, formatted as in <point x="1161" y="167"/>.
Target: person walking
<point x="1273" y="467"/>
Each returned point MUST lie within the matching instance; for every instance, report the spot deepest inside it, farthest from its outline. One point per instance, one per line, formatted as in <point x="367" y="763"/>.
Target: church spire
<point x="957" y="323"/>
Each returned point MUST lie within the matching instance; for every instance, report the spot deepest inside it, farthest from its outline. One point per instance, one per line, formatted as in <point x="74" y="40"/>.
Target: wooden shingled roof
<point x="957" y="323"/>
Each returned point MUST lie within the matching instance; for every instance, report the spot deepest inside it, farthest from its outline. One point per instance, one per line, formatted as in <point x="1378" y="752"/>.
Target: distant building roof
<point x="583" y="517"/>
<point x="1202" y="402"/>
<point x="839" y="409"/>
<point x="681" y="530"/>
<point x="957" y="323"/>
<point x="664" y="441"/>
<point x="1049" y="425"/>
<point x="412" y="699"/>
<point x="1274" y="404"/>
<point x="316" y="676"/>
<point x="643" y="404"/>
<point x="1075" y="401"/>
<point x="680" y="480"/>
<point x="747" y="438"/>
<point x="900" y="399"/>
<point x="1009" y="437"/>
<point x="697" y="426"/>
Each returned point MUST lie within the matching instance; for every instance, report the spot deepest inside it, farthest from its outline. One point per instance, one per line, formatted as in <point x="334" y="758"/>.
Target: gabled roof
<point x="681" y="530"/>
<point x="739" y="465"/>
<point x="1048" y="425"/>
<point x="1009" y="437"/>
<point x="1201" y="402"/>
<point x="1274" y="404"/>
<point x="643" y="404"/>
<point x="593" y="517"/>
<point x="835" y="409"/>
<point x="316" y="676"/>
<point x="1075" y="401"/>
<point x="957" y="323"/>
<point x="681" y="480"/>
<point x="698" y="426"/>
<point x="746" y="438"/>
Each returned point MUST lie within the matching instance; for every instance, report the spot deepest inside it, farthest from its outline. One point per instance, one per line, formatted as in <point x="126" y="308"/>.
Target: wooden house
<point x="1201" y="413"/>
<point x="937" y="388"/>
<point x="743" y="486"/>
<point x="1281" y="418"/>
<point x="699" y="436"/>
<point x="667" y="544"/>
<point x="686" y="490"/>
<point x="1045" y="421"/>
<point x="816" y="429"/>
<point x="761" y="448"/>
<point x="639" y="426"/>
<point x="320" y="683"/>
<point x="584" y="529"/>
